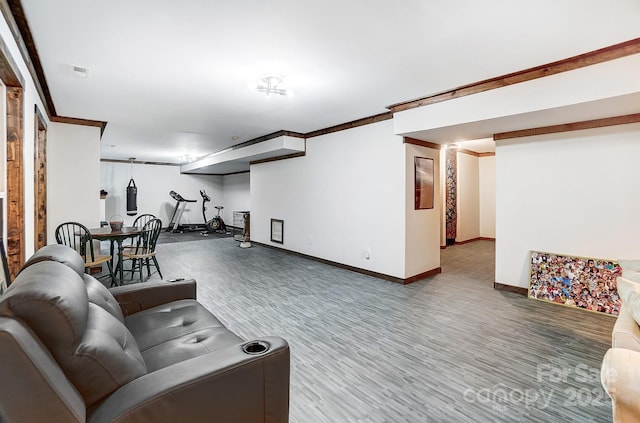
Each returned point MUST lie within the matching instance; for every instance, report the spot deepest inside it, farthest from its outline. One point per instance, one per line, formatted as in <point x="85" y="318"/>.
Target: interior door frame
<point x="14" y="161"/>
<point x="40" y="180"/>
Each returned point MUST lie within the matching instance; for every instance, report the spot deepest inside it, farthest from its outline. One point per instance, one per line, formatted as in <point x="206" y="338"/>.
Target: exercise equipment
<point x="216" y="224"/>
<point x="132" y="193"/>
<point x="174" y="224"/>
<point x="132" y="198"/>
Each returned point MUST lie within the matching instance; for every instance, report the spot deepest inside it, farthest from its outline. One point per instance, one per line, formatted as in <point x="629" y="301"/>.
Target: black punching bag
<point x="132" y="198"/>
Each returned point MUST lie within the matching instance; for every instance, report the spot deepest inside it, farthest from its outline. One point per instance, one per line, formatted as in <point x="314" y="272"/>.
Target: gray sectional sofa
<point x="72" y="350"/>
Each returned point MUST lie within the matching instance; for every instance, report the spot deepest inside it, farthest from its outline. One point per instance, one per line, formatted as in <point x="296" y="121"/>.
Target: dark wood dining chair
<point x="78" y="237"/>
<point x="143" y="219"/>
<point x="143" y="253"/>
<point x="139" y="223"/>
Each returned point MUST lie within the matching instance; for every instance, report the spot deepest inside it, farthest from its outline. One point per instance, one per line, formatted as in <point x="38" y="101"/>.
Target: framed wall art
<point x="423" y="183"/>
<point x="582" y="282"/>
<point x="277" y="231"/>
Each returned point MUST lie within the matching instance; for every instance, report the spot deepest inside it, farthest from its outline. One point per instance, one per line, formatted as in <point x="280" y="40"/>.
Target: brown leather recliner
<point x="72" y="350"/>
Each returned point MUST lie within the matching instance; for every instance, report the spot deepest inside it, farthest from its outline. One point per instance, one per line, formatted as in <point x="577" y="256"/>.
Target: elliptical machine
<point x="216" y="224"/>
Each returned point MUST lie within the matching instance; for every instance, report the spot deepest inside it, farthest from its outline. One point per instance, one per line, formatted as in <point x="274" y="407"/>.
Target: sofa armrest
<point x="227" y="385"/>
<point x="141" y="296"/>
<point x="626" y="332"/>
<point x="620" y="377"/>
<point x="29" y="371"/>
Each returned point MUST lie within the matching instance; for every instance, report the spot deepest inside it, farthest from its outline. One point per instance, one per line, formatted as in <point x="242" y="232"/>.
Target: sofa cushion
<point x="188" y="346"/>
<point x="51" y="299"/>
<point x="630" y="269"/>
<point x="169" y="321"/>
<point x="94" y="349"/>
<point x="629" y="265"/>
<point x="99" y="295"/>
<point x="106" y="357"/>
<point x="630" y="294"/>
<point x="60" y="253"/>
<point x="173" y="332"/>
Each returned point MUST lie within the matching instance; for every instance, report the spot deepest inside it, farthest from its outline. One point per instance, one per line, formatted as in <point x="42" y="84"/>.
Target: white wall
<point x="73" y="177"/>
<point x="468" y="204"/>
<point x="487" y="170"/>
<point x="571" y="193"/>
<point x="236" y="195"/>
<point x="345" y="198"/>
<point x="154" y="183"/>
<point x="422" y="230"/>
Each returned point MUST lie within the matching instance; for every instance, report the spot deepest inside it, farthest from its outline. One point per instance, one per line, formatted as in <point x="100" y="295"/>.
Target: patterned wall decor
<point x="451" y="195"/>
<point x="581" y="282"/>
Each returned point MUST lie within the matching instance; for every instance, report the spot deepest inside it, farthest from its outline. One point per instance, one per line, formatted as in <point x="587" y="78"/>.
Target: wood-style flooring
<point x="445" y="349"/>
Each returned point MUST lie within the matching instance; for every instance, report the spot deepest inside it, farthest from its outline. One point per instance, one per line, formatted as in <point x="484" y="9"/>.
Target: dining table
<point x="106" y="233"/>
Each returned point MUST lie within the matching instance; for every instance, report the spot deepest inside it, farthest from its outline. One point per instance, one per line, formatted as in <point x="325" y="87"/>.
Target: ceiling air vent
<point x="79" y="71"/>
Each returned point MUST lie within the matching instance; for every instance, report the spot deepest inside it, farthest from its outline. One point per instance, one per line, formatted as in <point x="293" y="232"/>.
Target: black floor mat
<point x="168" y="237"/>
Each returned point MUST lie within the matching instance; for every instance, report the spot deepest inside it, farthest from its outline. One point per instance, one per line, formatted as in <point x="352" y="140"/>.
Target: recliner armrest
<point x="141" y="296"/>
<point x="29" y="371"/>
<point x="227" y="385"/>
<point x="620" y="377"/>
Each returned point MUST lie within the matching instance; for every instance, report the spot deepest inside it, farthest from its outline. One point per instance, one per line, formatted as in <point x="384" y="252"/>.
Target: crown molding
<point x="421" y="143"/>
<point x="605" y="54"/>
<point x="350" y="125"/>
<point x="568" y="127"/>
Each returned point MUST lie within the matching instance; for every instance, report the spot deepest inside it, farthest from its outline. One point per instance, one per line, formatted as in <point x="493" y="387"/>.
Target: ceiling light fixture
<point x="272" y="85"/>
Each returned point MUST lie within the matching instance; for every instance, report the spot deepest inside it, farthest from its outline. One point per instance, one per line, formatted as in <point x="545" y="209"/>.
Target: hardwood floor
<point x="446" y="349"/>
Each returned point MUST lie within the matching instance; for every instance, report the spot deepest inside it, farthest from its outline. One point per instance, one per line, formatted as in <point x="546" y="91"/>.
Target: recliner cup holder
<point x="255" y="347"/>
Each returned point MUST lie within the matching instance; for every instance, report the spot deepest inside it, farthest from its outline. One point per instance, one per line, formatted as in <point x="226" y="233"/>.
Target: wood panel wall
<point x="15" y="181"/>
<point x="40" y="181"/>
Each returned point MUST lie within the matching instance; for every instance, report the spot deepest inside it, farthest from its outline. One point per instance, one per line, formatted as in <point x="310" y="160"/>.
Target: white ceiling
<point x="171" y="77"/>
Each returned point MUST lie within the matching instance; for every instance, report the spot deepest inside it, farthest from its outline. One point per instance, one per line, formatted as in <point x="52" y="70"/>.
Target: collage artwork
<point x="581" y="282"/>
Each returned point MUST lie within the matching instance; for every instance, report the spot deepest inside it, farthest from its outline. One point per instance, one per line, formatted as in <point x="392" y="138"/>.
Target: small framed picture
<point x="277" y="231"/>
